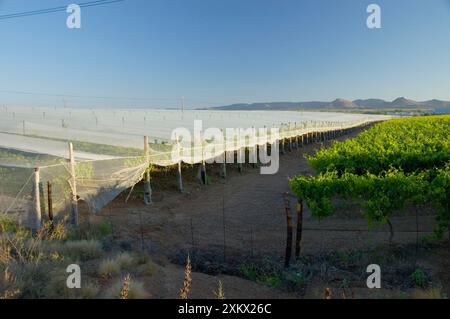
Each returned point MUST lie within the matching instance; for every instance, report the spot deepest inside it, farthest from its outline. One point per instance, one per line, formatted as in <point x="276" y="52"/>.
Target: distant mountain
<point x="402" y="102"/>
<point x="371" y="103"/>
<point x="342" y="104"/>
<point x="437" y="104"/>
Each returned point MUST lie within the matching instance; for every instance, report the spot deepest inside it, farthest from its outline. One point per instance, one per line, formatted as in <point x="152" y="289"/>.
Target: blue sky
<point x="217" y="52"/>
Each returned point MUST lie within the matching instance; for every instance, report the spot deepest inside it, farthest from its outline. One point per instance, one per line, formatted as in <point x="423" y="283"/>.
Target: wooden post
<point x="147" y="182"/>
<point x="23" y="127"/>
<point x="37" y="199"/>
<point x="298" y="237"/>
<point x="180" y="178"/>
<point x="287" y="207"/>
<point x="73" y="183"/>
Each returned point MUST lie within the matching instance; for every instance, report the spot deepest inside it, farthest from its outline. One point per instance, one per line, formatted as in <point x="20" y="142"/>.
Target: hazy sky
<point x="217" y="52"/>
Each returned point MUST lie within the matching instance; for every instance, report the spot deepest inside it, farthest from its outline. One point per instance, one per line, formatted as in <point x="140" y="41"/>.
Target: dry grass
<point x="220" y="293"/>
<point x="184" y="291"/>
<point x="125" y="292"/>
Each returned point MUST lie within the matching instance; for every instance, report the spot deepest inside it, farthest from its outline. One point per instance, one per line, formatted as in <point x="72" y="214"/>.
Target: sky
<point x="150" y="53"/>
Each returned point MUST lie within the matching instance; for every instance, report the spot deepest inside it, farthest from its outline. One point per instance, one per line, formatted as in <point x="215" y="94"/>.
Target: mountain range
<point x="342" y="104"/>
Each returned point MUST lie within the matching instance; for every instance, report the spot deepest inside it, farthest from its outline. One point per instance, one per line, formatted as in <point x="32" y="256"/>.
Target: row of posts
<point x="286" y="143"/>
<point x="289" y="143"/>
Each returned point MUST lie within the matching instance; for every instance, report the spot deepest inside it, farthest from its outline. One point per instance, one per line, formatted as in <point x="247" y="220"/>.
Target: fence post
<point x="37" y="199"/>
<point x="180" y="178"/>
<point x="298" y="238"/>
<point x="147" y="183"/>
<point x="287" y="207"/>
<point x="74" y="200"/>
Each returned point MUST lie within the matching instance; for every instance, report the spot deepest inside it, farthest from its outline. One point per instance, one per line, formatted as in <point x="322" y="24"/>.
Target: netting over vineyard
<point x="110" y="154"/>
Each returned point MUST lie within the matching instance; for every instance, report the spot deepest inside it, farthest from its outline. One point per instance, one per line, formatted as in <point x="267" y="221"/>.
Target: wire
<point x="90" y="96"/>
<point x="56" y="9"/>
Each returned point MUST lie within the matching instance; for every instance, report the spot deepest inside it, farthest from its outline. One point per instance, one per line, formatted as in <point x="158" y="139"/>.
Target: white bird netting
<point x="109" y="149"/>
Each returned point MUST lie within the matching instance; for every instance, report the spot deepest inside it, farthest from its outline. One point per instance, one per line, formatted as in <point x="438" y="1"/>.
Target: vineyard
<point x="394" y="165"/>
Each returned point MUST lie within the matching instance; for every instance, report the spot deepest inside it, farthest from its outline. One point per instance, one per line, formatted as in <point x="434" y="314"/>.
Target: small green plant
<point x="297" y="277"/>
<point x="419" y="278"/>
<point x="265" y="274"/>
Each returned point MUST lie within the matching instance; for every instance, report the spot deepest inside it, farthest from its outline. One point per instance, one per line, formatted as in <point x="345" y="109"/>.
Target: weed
<point x="419" y="278"/>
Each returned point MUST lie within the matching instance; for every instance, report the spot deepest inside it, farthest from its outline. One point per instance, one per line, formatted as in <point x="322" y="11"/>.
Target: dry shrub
<point x="109" y="268"/>
<point x="432" y="293"/>
<point x="148" y="269"/>
<point x="31" y="266"/>
<point x="56" y="287"/>
<point x="9" y="285"/>
<point x="82" y="250"/>
<point x="89" y="291"/>
<point x="125" y="260"/>
<point x="135" y="290"/>
<point x="56" y="231"/>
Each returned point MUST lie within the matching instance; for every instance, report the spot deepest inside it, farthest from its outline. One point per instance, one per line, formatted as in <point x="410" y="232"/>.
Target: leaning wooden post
<point x="73" y="184"/>
<point x="147" y="182"/>
<point x="37" y="199"/>
<point x="287" y="207"/>
<point x="298" y="238"/>
<point x="180" y="178"/>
